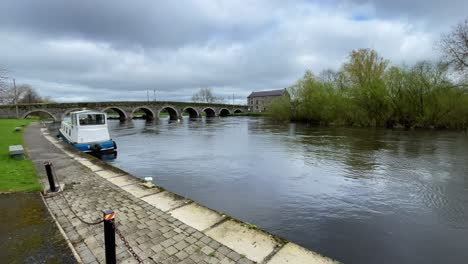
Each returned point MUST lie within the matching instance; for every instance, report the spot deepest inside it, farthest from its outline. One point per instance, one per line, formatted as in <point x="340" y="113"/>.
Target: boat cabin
<point x="85" y="126"/>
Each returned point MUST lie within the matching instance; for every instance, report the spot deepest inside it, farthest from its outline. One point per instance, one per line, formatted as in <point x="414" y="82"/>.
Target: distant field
<point x="15" y="175"/>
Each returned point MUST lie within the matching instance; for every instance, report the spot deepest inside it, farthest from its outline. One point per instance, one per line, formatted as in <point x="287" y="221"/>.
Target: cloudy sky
<point x="91" y="50"/>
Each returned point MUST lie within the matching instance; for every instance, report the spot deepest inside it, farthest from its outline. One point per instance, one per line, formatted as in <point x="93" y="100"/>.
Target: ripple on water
<point x="401" y="195"/>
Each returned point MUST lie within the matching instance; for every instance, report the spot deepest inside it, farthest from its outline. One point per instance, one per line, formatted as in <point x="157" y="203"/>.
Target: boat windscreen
<point x="92" y="119"/>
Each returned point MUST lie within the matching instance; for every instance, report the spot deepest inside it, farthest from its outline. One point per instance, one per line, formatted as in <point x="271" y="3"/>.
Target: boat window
<point x="92" y="119"/>
<point x="73" y="119"/>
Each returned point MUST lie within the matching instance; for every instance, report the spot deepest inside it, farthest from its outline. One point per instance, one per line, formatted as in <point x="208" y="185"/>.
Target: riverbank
<point x="18" y="175"/>
<point x="158" y="224"/>
<point x="29" y="234"/>
<point x="252" y="114"/>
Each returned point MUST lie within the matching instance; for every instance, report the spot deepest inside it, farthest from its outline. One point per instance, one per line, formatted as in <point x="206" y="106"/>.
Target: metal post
<point x="50" y="176"/>
<point x="109" y="236"/>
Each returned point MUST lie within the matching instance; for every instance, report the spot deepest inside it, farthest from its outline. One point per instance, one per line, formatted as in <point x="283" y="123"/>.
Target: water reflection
<point x="106" y="156"/>
<point x="358" y="195"/>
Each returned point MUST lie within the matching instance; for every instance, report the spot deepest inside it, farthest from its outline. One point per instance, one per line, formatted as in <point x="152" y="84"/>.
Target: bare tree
<point x="205" y="95"/>
<point x="3" y="85"/>
<point x="454" y="45"/>
<point x="22" y="94"/>
<point x="3" y="77"/>
<point x="27" y="95"/>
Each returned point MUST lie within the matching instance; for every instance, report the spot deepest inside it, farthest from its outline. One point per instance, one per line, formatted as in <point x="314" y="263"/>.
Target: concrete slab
<point x="78" y="158"/>
<point x="292" y="253"/>
<point x="138" y="190"/>
<point x="51" y="139"/>
<point x="16" y="150"/>
<point x="108" y="174"/>
<point x="123" y="180"/>
<point x="164" y="201"/>
<point x="69" y="154"/>
<point x="197" y="216"/>
<point x="72" y="155"/>
<point x="85" y="162"/>
<point x="95" y="168"/>
<point x="252" y="243"/>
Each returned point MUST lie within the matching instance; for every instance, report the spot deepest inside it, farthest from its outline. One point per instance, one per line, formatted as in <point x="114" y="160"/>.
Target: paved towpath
<point x="155" y="236"/>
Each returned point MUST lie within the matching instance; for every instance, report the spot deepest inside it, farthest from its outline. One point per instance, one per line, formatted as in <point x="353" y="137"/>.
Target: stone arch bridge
<point x="125" y="110"/>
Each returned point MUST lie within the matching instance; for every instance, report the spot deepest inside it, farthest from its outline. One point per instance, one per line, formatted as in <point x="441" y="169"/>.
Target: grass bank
<point x="16" y="175"/>
<point x="257" y="114"/>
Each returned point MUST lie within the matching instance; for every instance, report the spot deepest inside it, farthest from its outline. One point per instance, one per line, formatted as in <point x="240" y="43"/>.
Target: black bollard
<point x="50" y="176"/>
<point x="109" y="236"/>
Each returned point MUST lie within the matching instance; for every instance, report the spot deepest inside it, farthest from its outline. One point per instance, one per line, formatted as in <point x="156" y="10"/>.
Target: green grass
<point x="16" y="175"/>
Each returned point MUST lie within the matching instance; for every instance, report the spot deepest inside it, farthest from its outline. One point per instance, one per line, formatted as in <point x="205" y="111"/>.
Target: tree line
<point x="22" y="94"/>
<point x="11" y="94"/>
<point x="368" y="91"/>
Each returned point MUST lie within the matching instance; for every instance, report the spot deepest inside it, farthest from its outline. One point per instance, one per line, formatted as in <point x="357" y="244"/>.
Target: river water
<point x="356" y="195"/>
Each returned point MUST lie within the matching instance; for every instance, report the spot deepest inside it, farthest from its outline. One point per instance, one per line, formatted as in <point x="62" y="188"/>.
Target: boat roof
<point x="87" y="112"/>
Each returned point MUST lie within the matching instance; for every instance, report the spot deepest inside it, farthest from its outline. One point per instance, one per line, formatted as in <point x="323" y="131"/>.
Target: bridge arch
<point x="193" y="113"/>
<point x="224" y="112"/>
<point x="25" y="115"/>
<point x="237" y="111"/>
<point x="172" y="111"/>
<point x="209" y="112"/>
<point x="148" y="113"/>
<point x="118" y="110"/>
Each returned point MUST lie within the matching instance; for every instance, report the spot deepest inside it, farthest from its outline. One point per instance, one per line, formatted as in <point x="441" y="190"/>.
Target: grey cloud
<point x="433" y="14"/>
<point x="144" y="23"/>
<point x="102" y="50"/>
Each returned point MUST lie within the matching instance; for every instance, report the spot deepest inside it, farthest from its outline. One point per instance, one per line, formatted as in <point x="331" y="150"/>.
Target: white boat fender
<point x="148" y="183"/>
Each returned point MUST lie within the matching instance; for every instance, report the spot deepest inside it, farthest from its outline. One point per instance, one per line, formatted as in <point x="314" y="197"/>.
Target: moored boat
<point x="87" y="131"/>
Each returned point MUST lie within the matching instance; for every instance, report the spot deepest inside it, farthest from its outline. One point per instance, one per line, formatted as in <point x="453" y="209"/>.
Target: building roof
<point x="268" y="93"/>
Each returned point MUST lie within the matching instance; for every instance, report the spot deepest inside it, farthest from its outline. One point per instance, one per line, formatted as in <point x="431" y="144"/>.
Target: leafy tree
<point x="365" y="67"/>
<point x="365" y="70"/>
<point x="280" y="108"/>
<point x="367" y="93"/>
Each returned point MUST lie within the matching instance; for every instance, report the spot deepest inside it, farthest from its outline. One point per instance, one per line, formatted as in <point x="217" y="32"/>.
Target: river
<point x="356" y="195"/>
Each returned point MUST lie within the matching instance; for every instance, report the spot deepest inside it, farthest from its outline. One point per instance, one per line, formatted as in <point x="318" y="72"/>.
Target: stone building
<point x="259" y="101"/>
